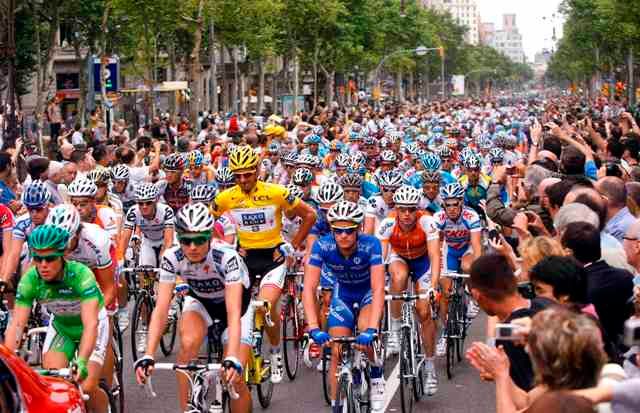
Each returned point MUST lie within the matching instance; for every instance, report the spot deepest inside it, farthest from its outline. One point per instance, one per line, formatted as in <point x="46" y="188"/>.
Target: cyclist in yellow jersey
<point x="256" y="208"/>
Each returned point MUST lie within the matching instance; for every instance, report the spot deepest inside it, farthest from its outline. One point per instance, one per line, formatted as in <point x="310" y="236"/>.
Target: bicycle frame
<point x="257" y="368"/>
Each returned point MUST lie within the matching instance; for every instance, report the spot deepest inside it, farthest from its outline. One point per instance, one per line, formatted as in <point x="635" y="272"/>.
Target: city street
<point x="465" y="393"/>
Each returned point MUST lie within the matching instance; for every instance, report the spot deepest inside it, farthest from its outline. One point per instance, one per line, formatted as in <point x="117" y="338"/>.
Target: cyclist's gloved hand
<point x="286" y="249"/>
<point x="79" y="367"/>
<point x="366" y="337"/>
<point x="319" y="336"/>
<point x="142" y="367"/>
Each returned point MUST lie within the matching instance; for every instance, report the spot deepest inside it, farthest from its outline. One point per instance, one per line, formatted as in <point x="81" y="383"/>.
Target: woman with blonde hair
<point x="535" y="249"/>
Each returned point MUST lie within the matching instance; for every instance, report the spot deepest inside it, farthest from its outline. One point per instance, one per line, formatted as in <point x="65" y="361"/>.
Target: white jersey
<point x="377" y="208"/>
<point x="152" y="229"/>
<point x="207" y="279"/>
<point x="93" y="248"/>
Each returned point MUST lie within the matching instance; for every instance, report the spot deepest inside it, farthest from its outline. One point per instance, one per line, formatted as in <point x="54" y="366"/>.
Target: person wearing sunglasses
<point x="475" y="182"/>
<point x="36" y="198"/>
<point x="257" y="209"/>
<point x="218" y="281"/>
<point x="101" y="177"/>
<point x="82" y="194"/>
<point x="461" y="231"/>
<point x="175" y="188"/>
<point x="78" y="332"/>
<point x="355" y="260"/>
<point x="411" y="241"/>
<point x="198" y="173"/>
<point x="379" y="206"/>
<point x="122" y="187"/>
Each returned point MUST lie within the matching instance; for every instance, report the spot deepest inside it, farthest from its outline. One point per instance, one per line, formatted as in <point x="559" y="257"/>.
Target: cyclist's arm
<point x="155" y="163"/>
<point x="309" y="294"/>
<point x="123" y="242"/>
<point x="233" y="300"/>
<point x="89" y="314"/>
<point x="476" y="243"/>
<point x="308" y="215"/>
<point x="6" y="245"/>
<point x="369" y="224"/>
<point x="105" y="278"/>
<point x="16" y="326"/>
<point x="167" y="239"/>
<point x="434" y="251"/>
<point x="377" y="290"/>
<point x="310" y="240"/>
<point x="10" y="263"/>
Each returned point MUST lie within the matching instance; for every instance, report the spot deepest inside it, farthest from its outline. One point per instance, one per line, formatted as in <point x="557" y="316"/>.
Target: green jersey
<point x="62" y="298"/>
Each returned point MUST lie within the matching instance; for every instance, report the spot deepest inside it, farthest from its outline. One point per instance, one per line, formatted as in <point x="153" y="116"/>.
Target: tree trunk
<point x="82" y="79"/>
<point x="234" y="90"/>
<point x="172" y="75"/>
<point x="631" y="89"/>
<point x="103" y="51"/>
<point x="296" y="82"/>
<point x="260" y="105"/>
<point x="196" y="68"/>
<point x="315" y="78"/>
<point x="46" y="66"/>
<point x="412" y="90"/>
<point x="213" y="72"/>
<point x="399" y="96"/>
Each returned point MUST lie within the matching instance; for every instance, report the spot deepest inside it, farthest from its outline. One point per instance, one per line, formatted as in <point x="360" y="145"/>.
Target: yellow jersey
<point x="258" y="215"/>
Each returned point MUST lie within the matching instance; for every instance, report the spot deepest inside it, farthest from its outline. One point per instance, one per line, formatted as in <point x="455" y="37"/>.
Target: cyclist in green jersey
<point x="78" y="331"/>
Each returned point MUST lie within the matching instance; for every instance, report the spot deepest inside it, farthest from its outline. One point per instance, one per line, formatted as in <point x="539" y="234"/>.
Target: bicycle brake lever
<point x="232" y="392"/>
<point x="149" y="388"/>
<point x="268" y="320"/>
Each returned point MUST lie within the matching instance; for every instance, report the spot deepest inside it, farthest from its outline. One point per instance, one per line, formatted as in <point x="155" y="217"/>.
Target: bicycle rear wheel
<point x="265" y="388"/>
<point x="406" y="381"/>
<point x="141" y="316"/>
<point x="168" y="339"/>
<point x="113" y="406"/>
<point x="290" y="338"/>
<point x="462" y="329"/>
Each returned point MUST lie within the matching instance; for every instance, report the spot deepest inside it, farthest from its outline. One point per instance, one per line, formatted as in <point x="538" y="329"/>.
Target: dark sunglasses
<point x="451" y="205"/>
<point x="146" y="203"/>
<point x="46" y="258"/>
<point x="345" y="231"/>
<point x="197" y="241"/>
<point x="243" y="175"/>
<point x="35" y="209"/>
<point x="410" y="210"/>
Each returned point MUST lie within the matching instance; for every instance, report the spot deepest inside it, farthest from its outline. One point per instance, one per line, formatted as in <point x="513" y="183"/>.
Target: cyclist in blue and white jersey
<point x="355" y="260"/>
<point x="379" y="206"/>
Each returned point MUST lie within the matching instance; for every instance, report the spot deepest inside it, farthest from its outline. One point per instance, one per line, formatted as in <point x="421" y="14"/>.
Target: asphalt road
<point x="464" y="393"/>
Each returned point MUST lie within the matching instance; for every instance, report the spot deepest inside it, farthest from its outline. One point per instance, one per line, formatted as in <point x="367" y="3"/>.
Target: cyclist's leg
<point x="423" y="307"/>
<point x="399" y="271"/>
<point x="192" y="327"/>
<point x="377" y="372"/>
<point x="243" y="403"/>
<point x="149" y="253"/>
<point x="98" y="400"/>
<point x="340" y="323"/>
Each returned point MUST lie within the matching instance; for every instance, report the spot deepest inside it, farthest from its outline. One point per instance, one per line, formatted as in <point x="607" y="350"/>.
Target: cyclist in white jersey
<point x="379" y="206"/>
<point x="156" y="222"/>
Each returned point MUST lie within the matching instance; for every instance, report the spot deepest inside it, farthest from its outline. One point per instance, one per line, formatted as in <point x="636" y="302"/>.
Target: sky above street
<point x="533" y="18"/>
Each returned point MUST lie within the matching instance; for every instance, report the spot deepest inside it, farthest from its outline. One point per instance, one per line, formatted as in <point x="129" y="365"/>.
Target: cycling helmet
<point x="395" y="136"/>
<point x="329" y="192"/>
<point x="431" y="176"/>
<point x="445" y="152"/>
<point x="369" y="141"/>
<point x="451" y="191"/>
<point x="99" y="176"/>
<point x="202" y="193"/>
<point x="194" y="218"/>
<point x="357" y="166"/>
<point x="64" y="216"/>
<point x="496" y="155"/>
<point x="302" y="177"/>
<point x="411" y="149"/>
<point x="407" y="195"/>
<point x="312" y="140"/>
<point x="195" y="159"/>
<point x="120" y="173"/>
<point x="274" y="147"/>
<point x="224" y="176"/>
<point x="290" y="159"/>
<point x="431" y="161"/>
<point x="423" y="139"/>
<point x="46" y="237"/>
<point x="385" y="143"/>
<point x="266" y="164"/>
<point x="345" y="211"/>
<point x="336" y="145"/>
<point x="243" y="157"/>
<point x="472" y="161"/>
<point x="306" y="160"/>
<point x="36" y="195"/>
<point x="343" y="160"/>
<point x="146" y="192"/>
<point x="173" y="162"/>
<point x="464" y="154"/>
<point x="82" y="187"/>
<point x="295" y="190"/>
<point x="318" y="130"/>
<point x="354" y="136"/>
<point x="351" y="181"/>
<point x="390" y="179"/>
<point x="388" y="156"/>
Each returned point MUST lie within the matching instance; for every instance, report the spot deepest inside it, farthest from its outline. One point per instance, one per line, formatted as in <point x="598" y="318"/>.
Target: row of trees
<point x="279" y="38"/>
<point x="599" y="41"/>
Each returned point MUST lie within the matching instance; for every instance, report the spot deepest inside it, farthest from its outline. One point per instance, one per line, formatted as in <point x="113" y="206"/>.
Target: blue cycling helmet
<point x="431" y="161"/>
<point x="452" y="191"/>
<point x="195" y="159"/>
<point x="312" y="140"/>
<point x="36" y="195"/>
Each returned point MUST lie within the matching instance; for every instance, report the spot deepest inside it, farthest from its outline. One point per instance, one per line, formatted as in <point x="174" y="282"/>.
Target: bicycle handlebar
<point x="215" y="367"/>
<point x="454" y="275"/>
<point x="409" y="297"/>
<point x="140" y="270"/>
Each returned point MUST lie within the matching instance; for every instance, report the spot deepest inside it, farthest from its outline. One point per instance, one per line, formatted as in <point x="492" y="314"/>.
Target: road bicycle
<point x="258" y="371"/>
<point x="455" y="331"/>
<point x="208" y="393"/>
<point x="412" y="357"/>
<point x="145" y="278"/>
<point x="293" y="326"/>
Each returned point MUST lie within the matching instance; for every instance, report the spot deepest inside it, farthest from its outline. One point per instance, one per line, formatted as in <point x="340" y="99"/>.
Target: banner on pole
<point x="458" y="85"/>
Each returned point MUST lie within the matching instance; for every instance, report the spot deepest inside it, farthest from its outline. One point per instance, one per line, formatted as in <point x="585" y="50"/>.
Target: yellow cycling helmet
<point x="243" y="157"/>
<point x="274" y="130"/>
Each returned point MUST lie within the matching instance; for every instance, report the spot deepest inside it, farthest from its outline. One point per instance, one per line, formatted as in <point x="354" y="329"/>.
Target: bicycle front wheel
<point x="265" y="388"/>
<point x="168" y="339"/>
<point x="141" y="317"/>
<point x="290" y="339"/>
<point x="406" y="375"/>
<point x="326" y="390"/>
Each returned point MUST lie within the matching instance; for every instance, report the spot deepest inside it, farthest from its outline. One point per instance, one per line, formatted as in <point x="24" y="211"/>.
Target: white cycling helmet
<point x="146" y="192"/>
<point x="64" y="216"/>
<point x="295" y="190"/>
<point x="407" y="196"/>
<point x="345" y="211"/>
<point x="82" y="187"/>
<point x="388" y="156"/>
<point x="194" y="218"/>
<point x="120" y="173"/>
<point x="329" y="192"/>
<point x="202" y="193"/>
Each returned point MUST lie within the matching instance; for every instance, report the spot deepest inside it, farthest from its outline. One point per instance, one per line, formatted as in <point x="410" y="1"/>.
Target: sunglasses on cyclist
<point x="345" y="231"/>
<point x="197" y="241"/>
<point x="451" y="204"/>
<point x="146" y="203"/>
<point x="35" y="209"/>
<point x="45" y="258"/>
<point x="244" y="175"/>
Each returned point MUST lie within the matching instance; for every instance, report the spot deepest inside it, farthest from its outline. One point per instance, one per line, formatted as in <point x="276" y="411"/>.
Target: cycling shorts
<point x="211" y="310"/>
<point x="327" y="280"/>
<point x="419" y="269"/>
<point x="58" y="342"/>
<point x="150" y="252"/>
<point x="341" y="313"/>
<point x="269" y="263"/>
<point x="454" y="258"/>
